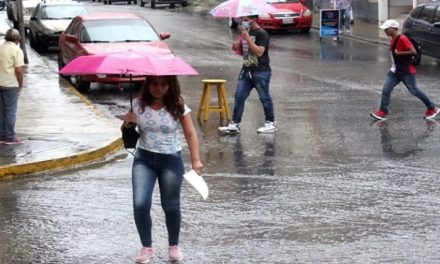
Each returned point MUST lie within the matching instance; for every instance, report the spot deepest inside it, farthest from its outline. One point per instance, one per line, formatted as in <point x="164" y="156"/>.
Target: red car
<point x="106" y="33"/>
<point x="291" y="14"/>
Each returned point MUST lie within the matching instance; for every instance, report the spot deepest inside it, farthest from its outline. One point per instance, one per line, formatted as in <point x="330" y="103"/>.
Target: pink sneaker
<point x="14" y="141"/>
<point x="175" y="253"/>
<point x="146" y="254"/>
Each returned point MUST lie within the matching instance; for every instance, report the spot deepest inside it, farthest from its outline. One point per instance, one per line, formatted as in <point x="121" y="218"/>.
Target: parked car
<point x="291" y="14"/>
<point x="28" y="9"/>
<point x="50" y="19"/>
<point x="102" y="33"/>
<point x="172" y="3"/>
<point x="423" y="25"/>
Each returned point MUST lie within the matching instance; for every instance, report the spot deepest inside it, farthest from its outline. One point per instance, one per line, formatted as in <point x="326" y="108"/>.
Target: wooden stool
<point x="205" y="101"/>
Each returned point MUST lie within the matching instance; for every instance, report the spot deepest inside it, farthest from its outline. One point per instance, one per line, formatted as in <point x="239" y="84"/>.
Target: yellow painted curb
<point x="9" y="171"/>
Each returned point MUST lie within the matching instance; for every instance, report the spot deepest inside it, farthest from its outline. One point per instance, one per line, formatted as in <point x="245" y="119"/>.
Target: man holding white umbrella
<point x="253" y="44"/>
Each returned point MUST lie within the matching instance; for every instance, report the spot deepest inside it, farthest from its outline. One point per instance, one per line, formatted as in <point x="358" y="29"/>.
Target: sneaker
<point x="432" y="112"/>
<point x="146" y="254"/>
<point x="231" y="128"/>
<point x="269" y="127"/>
<point x="175" y="253"/>
<point x="14" y="141"/>
<point x="379" y="115"/>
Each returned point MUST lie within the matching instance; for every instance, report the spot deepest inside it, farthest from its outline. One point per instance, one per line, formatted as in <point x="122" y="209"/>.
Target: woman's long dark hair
<point x="173" y="101"/>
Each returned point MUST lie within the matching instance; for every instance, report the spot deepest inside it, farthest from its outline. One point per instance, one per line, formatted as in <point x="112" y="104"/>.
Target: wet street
<point x="330" y="186"/>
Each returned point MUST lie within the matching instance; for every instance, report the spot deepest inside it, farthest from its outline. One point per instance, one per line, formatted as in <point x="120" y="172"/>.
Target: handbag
<point x="130" y="136"/>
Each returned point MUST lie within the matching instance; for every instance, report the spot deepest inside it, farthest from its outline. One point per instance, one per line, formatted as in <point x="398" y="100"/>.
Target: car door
<point x="432" y="36"/>
<point x="68" y="48"/>
<point x="411" y="25"/>
<point x="424" y="24"/>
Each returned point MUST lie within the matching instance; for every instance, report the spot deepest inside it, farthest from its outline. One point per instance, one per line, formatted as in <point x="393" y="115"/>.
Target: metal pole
<point x="21" y="29"/>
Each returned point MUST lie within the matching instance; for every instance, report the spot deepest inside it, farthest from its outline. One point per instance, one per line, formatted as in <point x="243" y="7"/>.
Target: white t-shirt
<point x="159" y="131"/>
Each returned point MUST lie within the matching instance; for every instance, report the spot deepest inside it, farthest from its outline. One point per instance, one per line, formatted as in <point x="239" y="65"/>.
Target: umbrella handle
<point x="131" y="96"/>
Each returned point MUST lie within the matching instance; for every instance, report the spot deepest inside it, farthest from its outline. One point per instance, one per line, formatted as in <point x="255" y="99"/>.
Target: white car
<point x="50" y="19"/>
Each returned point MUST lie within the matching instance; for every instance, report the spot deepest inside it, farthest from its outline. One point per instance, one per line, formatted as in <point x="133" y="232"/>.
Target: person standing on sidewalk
<point x="159" y="112"/>
<point x="11" y="84"/>
<point x="255" y="73"/>
<point x="344" y="6"/>
<point x="402" y="70"/>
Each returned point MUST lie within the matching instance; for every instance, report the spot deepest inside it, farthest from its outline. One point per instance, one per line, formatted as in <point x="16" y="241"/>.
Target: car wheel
<point x="135" y="2"/>
<point x="60" y="62"/>
<point x="34" y="44"/>
<point x="153" y="3"/>
<point x="142" y="3"/>
<point x="81" y="85"/>
<point x="60" y="66"/>
<point x="172" y="5"/>
<point x="184" y="3"/>
<point x="305" y="30"/>
<point x="232" y="23"/>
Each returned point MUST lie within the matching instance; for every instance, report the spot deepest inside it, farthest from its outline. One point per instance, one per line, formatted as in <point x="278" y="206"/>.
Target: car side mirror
<point x="437" y="24"/>
<point x="165" y="35"/>
<point x="34" y="18"/>
<point x="71" y="38"/>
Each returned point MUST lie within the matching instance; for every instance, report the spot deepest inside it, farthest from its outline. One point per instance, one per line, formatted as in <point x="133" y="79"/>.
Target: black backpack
<point x="414" y="59"/>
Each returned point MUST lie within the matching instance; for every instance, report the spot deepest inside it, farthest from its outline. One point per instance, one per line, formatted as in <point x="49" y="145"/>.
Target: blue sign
<point x="329" y="25"/>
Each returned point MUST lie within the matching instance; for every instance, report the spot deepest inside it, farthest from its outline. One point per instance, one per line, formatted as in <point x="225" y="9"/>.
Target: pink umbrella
<point x="241" y="8"/>
<point x="132" y="63"/>
<point x="128" y="63"/>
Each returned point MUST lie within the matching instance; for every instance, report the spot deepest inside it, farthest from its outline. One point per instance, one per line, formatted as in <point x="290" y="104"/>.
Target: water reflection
<point x="333" y="50"/>
<point x="395" y="146"/>
<point x="258" y="159"/>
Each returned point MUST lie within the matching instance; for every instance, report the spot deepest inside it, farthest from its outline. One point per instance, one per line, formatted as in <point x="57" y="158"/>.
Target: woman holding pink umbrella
<point x="158" y="113"/>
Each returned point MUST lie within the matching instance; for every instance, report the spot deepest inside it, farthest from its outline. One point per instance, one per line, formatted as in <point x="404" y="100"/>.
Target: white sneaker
<point x="269" y="127"/>
<point x="231" y="128"/>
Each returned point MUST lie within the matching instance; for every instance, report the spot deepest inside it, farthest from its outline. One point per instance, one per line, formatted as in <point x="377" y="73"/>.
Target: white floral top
<point x="159" y="131"/>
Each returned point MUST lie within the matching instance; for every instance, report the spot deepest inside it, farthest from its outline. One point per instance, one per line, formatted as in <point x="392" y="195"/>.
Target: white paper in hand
<point x="197" y="182"/>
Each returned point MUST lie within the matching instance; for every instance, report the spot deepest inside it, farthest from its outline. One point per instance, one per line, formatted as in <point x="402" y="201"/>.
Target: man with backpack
<point x="402" y="70"/>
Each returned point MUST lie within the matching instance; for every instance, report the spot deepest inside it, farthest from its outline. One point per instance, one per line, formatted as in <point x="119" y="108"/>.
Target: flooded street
<point x="330" y="186"/>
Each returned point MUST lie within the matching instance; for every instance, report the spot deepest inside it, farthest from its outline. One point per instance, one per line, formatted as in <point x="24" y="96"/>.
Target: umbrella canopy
<point x="241" y="8"/>
<point x="128" y="63"/>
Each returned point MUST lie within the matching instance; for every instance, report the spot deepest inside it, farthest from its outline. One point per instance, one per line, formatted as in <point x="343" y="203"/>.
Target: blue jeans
<point x="246" y="82"/>
<point x="168" y="169"/>
<point x="409" y="80"/>
<point x="8" y="112"/>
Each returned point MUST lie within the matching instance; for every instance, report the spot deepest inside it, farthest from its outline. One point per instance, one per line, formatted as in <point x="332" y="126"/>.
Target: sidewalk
<point x="60" y="127"/>
<point x="359" y="30"/>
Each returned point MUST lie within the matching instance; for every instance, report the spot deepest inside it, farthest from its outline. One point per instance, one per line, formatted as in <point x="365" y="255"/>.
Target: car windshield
<point x="281" y="1"/>
<point x="62" y="11"/>
<point x="117" y="30"/>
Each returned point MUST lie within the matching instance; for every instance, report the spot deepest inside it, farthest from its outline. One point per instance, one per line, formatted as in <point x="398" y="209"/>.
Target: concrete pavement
<point x="60" y="127"/>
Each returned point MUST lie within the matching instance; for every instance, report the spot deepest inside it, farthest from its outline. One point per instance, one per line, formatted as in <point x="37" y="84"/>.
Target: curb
<point x="11" y="171"/>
